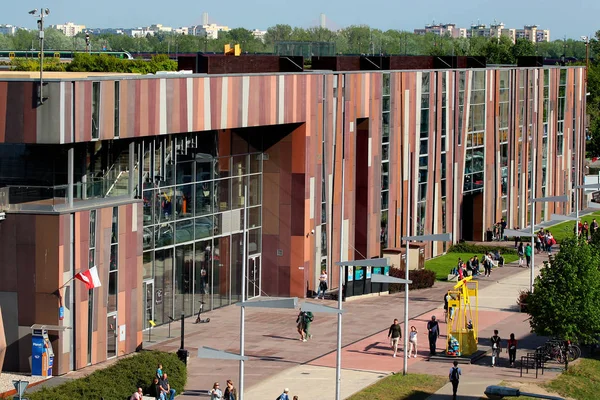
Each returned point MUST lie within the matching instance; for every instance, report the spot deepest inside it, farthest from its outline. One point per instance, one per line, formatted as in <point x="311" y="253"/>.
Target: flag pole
<point x="67" y="282"/>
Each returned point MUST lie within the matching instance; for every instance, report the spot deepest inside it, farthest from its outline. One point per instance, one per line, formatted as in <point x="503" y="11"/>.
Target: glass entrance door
<point x="111" y="336"/>
<point x="148" y="303"/>
<point x="253" y="277"/>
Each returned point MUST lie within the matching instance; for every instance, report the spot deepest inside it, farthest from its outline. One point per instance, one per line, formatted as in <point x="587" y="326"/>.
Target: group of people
<point x="544" y="241"/>
<point x="586" y="230"/>
<point x="160" y="388"/>
<point x="496" y="344"/>
<point x="285" y="395"/>
<point x="473" y="265"/>
<point x="229" y="394"/>
<point x="395" y="334"/>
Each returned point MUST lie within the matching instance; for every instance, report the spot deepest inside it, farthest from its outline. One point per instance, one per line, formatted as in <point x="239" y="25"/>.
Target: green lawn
<point x="581" y="381"/>
<point x="566" y="229"/>
<point x="443" y="264"/>
<point x="402" y="387"/>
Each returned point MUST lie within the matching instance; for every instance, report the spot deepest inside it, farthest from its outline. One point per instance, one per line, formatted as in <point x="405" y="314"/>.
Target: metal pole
<point x="406" y="268"/>
<point x="182" y="330"/>
<point x="532" y="210"/>
<point x="338" y="363"/>
<point x="243" y="309"/>
<point x="41" y="33"/>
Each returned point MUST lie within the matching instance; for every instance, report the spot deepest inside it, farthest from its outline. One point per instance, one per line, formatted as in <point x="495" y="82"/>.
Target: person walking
<point x="284" y="395"/>
<point x="512" y="350"/>
<point x="433" y="329"/>
<point x="300" y="325"/>
<point x="454" y="377"/>
<point x="396" y="333"/>
<point x="521" y="253"/>
<point x="528" y="251"/>
<point x="215" y="393"/>
<point x="230" y="392"/>
<point x="496" y="347"/>
<point x="412" y="341"/>
<point x="322" y="285"/>
<point x="593" y="227"/>
<point x="308" y="319"/>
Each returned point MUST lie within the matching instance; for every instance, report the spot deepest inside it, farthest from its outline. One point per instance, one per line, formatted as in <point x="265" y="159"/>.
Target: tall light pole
<point x="586" y="40"/>
<point x="43" y="12"/>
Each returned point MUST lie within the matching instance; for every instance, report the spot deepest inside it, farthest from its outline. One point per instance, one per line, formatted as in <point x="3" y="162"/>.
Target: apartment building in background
<point x="69" y="29"/>
<point x="529" y="32"/>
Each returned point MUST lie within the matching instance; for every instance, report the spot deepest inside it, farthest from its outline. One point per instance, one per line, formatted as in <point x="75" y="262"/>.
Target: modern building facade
<point x="148" y="177"/>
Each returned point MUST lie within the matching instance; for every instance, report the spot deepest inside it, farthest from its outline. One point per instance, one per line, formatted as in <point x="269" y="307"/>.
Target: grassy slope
<point x="443" y="264"/>
<point x="400" y="387"/>
<point x="566" y="229"/>
<point x="581" y="381"/>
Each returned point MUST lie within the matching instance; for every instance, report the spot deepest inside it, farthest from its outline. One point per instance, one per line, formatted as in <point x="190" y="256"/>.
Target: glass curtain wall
<point x="443" y="151"/>
<point x="385" y="160"/>
<point x="474" y="161"/>
<point x="423" y="154"/>
<point x="193" y="196"/>
<point x="560" y="126"/>
<point x="504" y="105"/>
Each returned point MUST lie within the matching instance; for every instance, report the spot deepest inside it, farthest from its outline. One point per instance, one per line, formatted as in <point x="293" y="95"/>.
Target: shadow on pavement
<point x="445" y="396"/>
<point x="196" y="393"/>
<point x="280" y="337"/>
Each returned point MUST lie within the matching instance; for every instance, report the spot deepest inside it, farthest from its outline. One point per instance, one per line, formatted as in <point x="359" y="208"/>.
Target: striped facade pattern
<point x="339" y="117"/>
<point x="37" y="259"/>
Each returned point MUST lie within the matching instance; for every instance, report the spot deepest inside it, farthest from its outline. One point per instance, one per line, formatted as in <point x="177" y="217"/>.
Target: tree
<point x="523" y="48"/>
<point x="565" y="302"/>
<point x="278" y="33"/>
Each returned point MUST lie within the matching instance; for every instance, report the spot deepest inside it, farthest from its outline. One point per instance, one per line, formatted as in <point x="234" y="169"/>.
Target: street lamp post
<point x="43" y="12"/>
<point x="586" y="40"/>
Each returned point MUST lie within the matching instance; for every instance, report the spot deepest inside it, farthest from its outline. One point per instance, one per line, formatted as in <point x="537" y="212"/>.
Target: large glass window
<point x="95" y="110"/>
<point x="475" y="161"/>
<point x="385" y="163"/>
<point x="193" y="218"/>
<point x="423" y="154"/>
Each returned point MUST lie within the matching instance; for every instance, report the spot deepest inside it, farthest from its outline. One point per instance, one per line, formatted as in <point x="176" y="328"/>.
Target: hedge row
<point x="120" y="380"/>
<point x="421" y="279"/>
<point x="83" y="62"/>
<point x="478" y="249"/>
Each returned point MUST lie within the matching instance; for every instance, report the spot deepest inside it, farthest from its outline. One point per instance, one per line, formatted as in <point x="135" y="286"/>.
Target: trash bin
<point x="489" y="235"/>
<point x="183" y="355"/>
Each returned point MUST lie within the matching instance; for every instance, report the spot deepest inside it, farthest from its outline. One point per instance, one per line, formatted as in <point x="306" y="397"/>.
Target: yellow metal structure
<point x="11" y="55"/>
<point x="463" y="318"/>
<point x="235" y="50"/>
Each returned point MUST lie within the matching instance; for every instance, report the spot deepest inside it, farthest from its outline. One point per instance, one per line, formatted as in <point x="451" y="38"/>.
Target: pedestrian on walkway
<point x="521" y="253"/>
<point x="300" y="325"/>
<point x="230" y="392"/>
<point x="512" y="350"/>
<point x="496" y="347"/>
<point x="528" y="250"/>
<point x="454" y="377"/>
<point x="284" y="395"/>
<point x="593" y="227"/>
<point x="215" y="393"/>
<point x="322" y="285"/>
<point x="433" y="329"/>
<point x="396" y="333"/>
<point x="412" y="341"/>
<point x="308" y="319"/>
<point x="538" y="242"/>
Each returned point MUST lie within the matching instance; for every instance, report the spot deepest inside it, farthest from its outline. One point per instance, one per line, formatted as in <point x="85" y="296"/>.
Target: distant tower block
<point x="323" y="21"/>
<point x="204" y="18"/>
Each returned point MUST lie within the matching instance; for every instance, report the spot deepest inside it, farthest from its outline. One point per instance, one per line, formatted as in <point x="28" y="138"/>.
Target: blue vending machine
<point x="42" y="355"/>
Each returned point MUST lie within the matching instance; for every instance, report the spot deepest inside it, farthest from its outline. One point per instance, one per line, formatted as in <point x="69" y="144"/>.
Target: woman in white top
<point x="322" y="285"/>
<point x="215" y="393"/>
<point x="412" y="341"/>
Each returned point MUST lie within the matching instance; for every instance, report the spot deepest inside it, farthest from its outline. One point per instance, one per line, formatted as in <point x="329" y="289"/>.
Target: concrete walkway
<point x="277" y="359"/>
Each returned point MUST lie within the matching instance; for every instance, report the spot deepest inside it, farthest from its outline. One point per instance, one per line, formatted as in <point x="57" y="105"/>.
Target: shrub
<point x="421" y="279"/>
<point x="33" y="64"/>
<point x="119" y="380"/>
<point x="478" y="249"/>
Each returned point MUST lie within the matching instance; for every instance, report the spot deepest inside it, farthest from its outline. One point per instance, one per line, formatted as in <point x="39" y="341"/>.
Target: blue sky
<point x="571" y="18"/>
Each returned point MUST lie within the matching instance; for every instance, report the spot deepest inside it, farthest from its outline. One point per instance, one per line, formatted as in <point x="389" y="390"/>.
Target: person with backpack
<point x="230" y="392"/>
<point x="496" y="347"/>
<point x="521" y="253"/>
<point x="308" y="318"/>
<point x="454" y="377"/>
<point x="300" y="325"/>
<point x="284" y="395"/>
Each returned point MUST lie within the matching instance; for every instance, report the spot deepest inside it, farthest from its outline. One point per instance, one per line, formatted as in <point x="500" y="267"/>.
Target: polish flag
<point x="89" y="277"/>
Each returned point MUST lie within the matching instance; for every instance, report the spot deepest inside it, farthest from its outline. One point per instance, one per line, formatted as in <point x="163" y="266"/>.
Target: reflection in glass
<point x="184" y="231"/>
<point x="112" y="291"/>
<point x="204" y="201"/>
<point x="254" y="241"/>
<point x="254" y="217"/>
<point x="237" y="192"/>
<point x="184" y="267"/>
<point x="203" y="227"/>
<point x="222" y="187"/>
<point x="254" y="190"/>
<point x="148" y="264"/>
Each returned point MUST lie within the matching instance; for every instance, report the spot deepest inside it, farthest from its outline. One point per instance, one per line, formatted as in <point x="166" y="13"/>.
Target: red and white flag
<point x="90" y="278"/>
